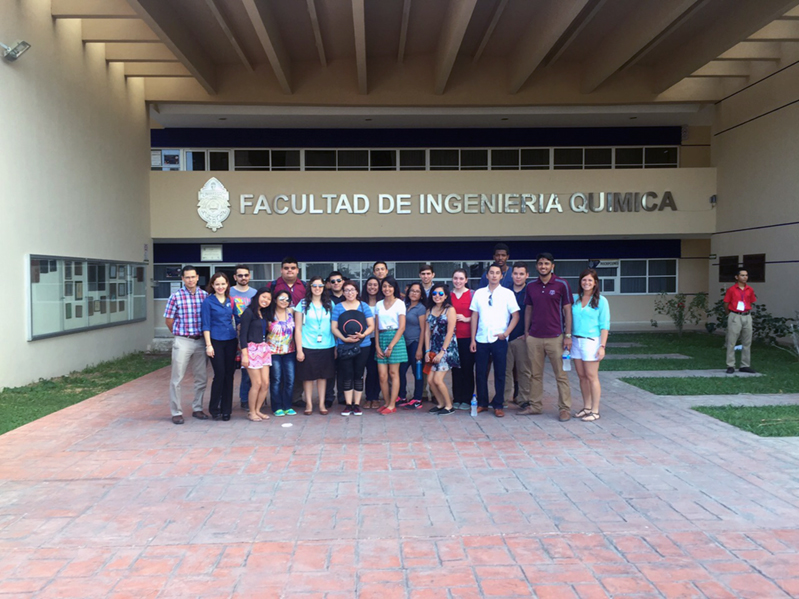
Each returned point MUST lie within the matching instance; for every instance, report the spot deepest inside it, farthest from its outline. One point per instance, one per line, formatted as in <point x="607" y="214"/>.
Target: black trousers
<point x="463" y="377"/>
<point x="372" y="378"/>
<point x="224" y="365"/>
<point x="350" y="371"/>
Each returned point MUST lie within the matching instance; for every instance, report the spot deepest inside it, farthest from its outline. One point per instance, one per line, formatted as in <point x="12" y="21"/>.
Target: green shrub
<point x="680" y="310"/>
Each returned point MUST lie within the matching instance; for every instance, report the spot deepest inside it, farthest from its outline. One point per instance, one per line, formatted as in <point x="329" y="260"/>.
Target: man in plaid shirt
<point x="182" y="317"/>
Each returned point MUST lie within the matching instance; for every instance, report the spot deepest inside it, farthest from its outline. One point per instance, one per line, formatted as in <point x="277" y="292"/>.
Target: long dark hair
<point x="394" y="285"/>
<point x="408" y="293"/>
<point x="255" y="305"/>
<point x="218" y="275"/>
<point x="379" y="295"/>
<point x="270" y="315"/>
<point x="594" y="303"/>
<point x="447" y="297"/>
<point x="326" y="303"/>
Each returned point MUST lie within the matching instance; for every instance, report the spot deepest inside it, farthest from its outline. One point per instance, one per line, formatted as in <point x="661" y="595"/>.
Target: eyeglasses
<point x="440" y="293"/>
<point x="336" y="280"/>
<point x="350" y="290"/>
<point x="238" y="276"/>
<point x="317" y="286"/>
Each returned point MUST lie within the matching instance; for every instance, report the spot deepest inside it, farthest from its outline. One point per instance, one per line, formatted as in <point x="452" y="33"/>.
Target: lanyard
<point x="263" y="325"/>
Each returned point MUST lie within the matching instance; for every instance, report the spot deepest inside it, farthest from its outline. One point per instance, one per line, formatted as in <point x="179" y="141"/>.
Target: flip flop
<point x="582" y="413"/>
<point x="254" y="418"/>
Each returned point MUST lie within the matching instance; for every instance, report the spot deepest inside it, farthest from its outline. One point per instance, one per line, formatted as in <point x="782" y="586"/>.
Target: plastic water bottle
<point x="567" y="362"/>
<point x="418" y="370"/>
<point x="474" y="406"/>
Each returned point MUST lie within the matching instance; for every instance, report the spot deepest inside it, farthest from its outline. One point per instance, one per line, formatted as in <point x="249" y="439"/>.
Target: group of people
<point x="330" y="334"/>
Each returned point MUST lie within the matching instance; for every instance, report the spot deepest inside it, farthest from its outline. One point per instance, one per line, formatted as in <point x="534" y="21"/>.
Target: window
<point x="353" y="160"/>
<point x="660" y="158"/>
<point x="195" y="160"/>
<point x="568" y="158"/>
<point x="598" y="158"/>
<point x="320" y="160"/>
<point x="474" y="160"/>
<point x="69" y="295"/>
<point x="444" y="160"/>
<point x="285" y="160"/>
<point x="535" y="159"/>
<point x="413" y="160"/>
<point x="505" y="159"/>
<point x="383" y="160"/>
<point x="755" y="265"/>
<point x="219" y="160"/>
<point x="633" y="276"/>
<point x="728" y="268"/>
<point x="629" y="157"/>
<point x="251" y="160"/>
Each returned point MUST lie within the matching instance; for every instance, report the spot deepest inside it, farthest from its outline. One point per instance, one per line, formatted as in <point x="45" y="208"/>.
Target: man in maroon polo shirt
<point x="289" y="271"/>
<point x="547" y="331"/>
<point x="738" y="301"/>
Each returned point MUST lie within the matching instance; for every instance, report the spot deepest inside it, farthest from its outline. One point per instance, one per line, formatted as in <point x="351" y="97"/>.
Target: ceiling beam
<point x="492" y="24"/>
<point x="216" y="10"/>
<point x="456" y="20"/>
<point x="791" y="14"/>
<point x="268" y="32"/>
<point x="753" y="51"/>
<point x="91" y="9"/>
<point x="317" y="32"/>
<point x="639" y="30"/>
<point x="156" y="69"/>
<point x="541" y="37"/>
<point x="359" y="26"/>
<point x="742" y="19"/>
<point x="117" y="30"/>
<point x="172" y="31"/>
<point x="406" y="16"/>
<point x="573" y="31"/>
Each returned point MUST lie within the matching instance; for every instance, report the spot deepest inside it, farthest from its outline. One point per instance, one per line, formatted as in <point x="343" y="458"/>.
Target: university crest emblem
<point x="213" y="204"/>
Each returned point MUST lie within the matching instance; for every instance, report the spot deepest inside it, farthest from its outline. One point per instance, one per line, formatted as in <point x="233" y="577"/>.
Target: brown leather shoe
<point x="199" y="415"/>
<point x="564" y="415"/>
<point x="481" y="409"/>
<point x="529" y="411"/>
<point x="177" y="419"/>
<point x="499" y="413"/>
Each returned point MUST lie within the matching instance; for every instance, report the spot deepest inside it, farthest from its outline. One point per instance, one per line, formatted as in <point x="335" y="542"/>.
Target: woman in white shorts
<point x="590" y="327"/>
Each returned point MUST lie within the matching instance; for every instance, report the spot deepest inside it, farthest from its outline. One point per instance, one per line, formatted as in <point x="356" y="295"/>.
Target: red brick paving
<point x="108" y="499"/>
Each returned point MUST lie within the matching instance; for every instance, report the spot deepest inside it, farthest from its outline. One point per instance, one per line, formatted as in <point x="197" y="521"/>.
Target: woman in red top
<point x="463" y="377"/>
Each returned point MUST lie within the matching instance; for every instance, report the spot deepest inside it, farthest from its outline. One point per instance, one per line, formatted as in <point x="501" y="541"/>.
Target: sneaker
<point x="346" y="411"/>
<point x="464" y="406"/>
<point x="413" y="404"/>
<point x="245" y="405"/>
<point x="279" y="413"/>
<point x="291" y="412"/>
<point x="730" y="370"/>
<point x="446" y="411"/>
<point x="356" y="411"/>
<point x="435" y="410"/>
<point x="402" y="402"/>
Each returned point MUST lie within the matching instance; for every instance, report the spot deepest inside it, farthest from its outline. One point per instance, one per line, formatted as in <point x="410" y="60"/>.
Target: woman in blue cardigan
<point x="220" y="344"/>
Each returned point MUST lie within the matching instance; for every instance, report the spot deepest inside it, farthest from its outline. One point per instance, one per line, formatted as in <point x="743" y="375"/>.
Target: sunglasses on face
<point x="282" y="299"/>
<point x="242" y="275"/>
<point x="318" y="286"/>
<point x="439" y="293"/>
<point x="336" y="280"/>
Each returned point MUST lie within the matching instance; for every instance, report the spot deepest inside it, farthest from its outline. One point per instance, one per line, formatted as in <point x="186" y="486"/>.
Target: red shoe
<point x="386" y="410"/>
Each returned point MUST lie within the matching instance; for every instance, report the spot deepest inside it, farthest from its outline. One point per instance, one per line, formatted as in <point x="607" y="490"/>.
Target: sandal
<point x="308" y="412"/>
<point x="591" y="417"/>
<point x="254" y="418"/>
<point x="323" y="412"/>
<point x="582" y="413"/>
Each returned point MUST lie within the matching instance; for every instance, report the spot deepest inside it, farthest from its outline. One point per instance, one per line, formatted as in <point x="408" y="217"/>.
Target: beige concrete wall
<point x="74" y="179"/>
<point x="755" y="149"/>
<point x="174" y="204"/>
<point x="695" y="148"/>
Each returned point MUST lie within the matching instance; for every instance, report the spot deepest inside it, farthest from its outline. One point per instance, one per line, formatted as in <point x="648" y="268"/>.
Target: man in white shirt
<point x="495" y="313"/>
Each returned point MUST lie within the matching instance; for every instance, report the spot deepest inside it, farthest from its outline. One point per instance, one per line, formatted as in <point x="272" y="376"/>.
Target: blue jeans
<point x="244" y="386"/>
<point x="418" y="384"/>
<point x="499" y="352"/>
<point x="281" y="377"/>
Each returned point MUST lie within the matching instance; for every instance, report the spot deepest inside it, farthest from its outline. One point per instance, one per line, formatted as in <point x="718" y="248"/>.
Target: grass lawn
<point x="21" y="405"/>
<point x="766" y="421"/>
<point x="779" y="368"/>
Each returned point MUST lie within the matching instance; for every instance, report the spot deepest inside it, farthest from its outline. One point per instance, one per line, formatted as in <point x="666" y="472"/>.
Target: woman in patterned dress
<point x="441" y="346"/>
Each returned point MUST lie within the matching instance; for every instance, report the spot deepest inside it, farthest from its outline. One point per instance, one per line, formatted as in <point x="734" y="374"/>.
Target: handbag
<point x="349" y="350"/>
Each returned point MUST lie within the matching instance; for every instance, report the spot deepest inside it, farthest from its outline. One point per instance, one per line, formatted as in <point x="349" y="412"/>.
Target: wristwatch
<point x="568" y="335"/>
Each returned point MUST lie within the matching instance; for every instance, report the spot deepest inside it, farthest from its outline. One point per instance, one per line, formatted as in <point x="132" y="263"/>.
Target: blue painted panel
<point x="414" y="138"/>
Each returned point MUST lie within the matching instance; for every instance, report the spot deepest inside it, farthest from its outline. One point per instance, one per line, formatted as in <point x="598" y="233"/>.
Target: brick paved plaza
<point x="109" y="499"/>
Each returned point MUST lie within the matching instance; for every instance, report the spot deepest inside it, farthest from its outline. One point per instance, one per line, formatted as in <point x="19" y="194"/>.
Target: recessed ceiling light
<point x="367" y="119"/>
<point x="222" y="118"/>
<point x="504" y="118"/>
<point x="632" y="118"/>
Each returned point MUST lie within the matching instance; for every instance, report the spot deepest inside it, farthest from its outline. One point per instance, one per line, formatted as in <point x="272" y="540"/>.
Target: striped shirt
<point x="185" y="308"/>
